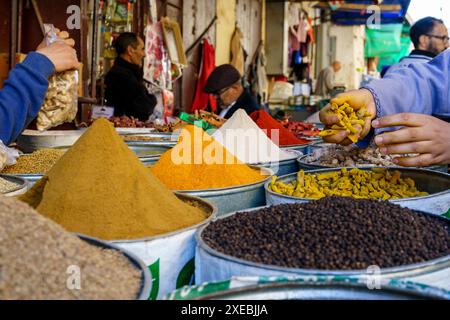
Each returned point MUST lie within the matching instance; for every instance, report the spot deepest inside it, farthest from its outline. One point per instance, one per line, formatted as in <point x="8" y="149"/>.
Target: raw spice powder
<point x="101" y="189"/>
<point x="198" y="162"/>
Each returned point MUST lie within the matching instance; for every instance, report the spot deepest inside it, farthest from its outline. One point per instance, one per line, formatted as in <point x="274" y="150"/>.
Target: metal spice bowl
<point x="33" y="140"/>
<point x="437" y="184"/>
<point x="212" y="265"/>
<point x="22" y="185"/>
<point x="149" y="154"/>
<point x="236" y="197"/>
<point x="282" y="167"/>
<point x="170" y="256"/>
<point x="303" y="148"/>
<point x="303" y="164"/>
<point x="306" y="288"/>
<point x="30" y="178"/>
<point x="160" y="139"/>
<point x="144" y="290"/>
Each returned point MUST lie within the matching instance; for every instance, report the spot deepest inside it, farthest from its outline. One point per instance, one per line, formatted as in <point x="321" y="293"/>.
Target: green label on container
<point x="190" y="293"/>
<point x="186" y="276"/>
<point x="154" y="271"/>
<point x="447" y="214"/>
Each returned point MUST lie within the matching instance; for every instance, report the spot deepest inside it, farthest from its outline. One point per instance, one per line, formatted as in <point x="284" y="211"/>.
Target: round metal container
<point x="169" y="144"/>
<point x="22" y="185"/>
<point x="212" y="265"/>
<point x="205" y="204"/>
<point x="32" y="140"/>
<point x="125" y="131"/>
<point x="144" y="290"/>
<point x="311" y="166"/>
<point x="305" y="288"/>
<point x="437" y="184"/>
<point x="167" y="255"/>
<point x="283" y="167"/>
<point x="161" y="139"/>
<point x="30" y="178"/>
<point x="235" y="198"/>
<point x="149" y="154"/>
<point x="303" y="148"/>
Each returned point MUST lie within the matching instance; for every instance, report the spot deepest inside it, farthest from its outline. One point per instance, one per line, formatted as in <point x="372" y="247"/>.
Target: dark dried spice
<point x="331" y="233"/>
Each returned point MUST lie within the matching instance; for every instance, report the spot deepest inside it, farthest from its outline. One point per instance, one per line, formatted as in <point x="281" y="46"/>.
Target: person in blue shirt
<point x="430" y="37"/>
<point x="24" y="91"/>
<point x="406" y="98"/>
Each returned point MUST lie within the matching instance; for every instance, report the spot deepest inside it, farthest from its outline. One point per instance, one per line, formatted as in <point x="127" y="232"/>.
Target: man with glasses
<point x="430" y="37"/>
<point x="225" y="83"/>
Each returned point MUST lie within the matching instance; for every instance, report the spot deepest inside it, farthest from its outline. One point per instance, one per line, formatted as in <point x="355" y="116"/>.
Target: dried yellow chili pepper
<point x="376" y="184"/>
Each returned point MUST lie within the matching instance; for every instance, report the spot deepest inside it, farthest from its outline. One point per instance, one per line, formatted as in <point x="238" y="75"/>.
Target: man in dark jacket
<point x="125" y="90"/>
<point x="225" y="84"/>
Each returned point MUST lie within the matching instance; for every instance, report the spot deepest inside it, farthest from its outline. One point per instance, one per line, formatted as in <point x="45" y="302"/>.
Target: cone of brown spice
<point x="101" y="189"/>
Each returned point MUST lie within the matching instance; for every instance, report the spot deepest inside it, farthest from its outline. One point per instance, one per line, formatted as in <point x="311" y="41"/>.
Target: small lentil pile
<point x="331" y="234"/>
<point x="339" y="156"/>
<point x="7" y="186"/>
<point x="198" y="162"/>
<point x="100" y="188"/>
<point x="348" y="119"/>
<point x="36" y="253"/>
<point x="378" y="184"/>
<point x="38" y="162"/>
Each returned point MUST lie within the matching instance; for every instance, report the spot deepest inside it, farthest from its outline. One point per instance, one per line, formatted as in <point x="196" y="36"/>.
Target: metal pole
<point x="94" y="50"/>
<point x="19" y="27"/>
<point x="13" y="47"/>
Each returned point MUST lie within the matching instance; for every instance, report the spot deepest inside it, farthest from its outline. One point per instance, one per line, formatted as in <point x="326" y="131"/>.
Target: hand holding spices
<point x="380" y="184"/>
<point x="60" y="104"/>
<point x="348" y="117"/>
<point x="350" y="121"/>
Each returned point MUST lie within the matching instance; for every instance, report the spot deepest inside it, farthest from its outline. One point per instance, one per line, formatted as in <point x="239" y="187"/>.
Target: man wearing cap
<point x="225" y="84"/>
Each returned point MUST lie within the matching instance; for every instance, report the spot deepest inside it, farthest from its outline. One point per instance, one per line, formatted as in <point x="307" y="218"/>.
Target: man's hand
<point x="60" y="53"/>
<point x="357" y="99"/>
<point x="424" y="135"/>
<point x="63" y="56"/>
<point x="63" y="35"/>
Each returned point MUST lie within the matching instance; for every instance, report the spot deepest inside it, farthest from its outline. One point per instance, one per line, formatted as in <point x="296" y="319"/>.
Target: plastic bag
<point x="8" y="156"/>
<point x="60" y="104"/>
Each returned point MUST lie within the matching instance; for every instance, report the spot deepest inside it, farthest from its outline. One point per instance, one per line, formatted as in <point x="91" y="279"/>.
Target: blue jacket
<point x="23" y="94"/>
<point x="416" y="56"/>
<point x="420" y="88"/>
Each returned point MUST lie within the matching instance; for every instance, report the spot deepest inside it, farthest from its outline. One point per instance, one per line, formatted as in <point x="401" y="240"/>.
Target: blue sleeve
<point x="420" y="88"/>
<point x="23" y="94"/>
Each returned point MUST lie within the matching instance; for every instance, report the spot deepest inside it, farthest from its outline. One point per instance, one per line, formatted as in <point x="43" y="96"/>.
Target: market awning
<point x="357" y="12"/>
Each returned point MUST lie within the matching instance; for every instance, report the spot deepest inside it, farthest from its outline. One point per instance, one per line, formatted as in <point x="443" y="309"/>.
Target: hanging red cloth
<point x="207" y="66"/>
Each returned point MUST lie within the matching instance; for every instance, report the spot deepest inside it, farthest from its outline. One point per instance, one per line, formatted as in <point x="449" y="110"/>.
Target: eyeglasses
<point x="221" y="92"/>
<point x="443" y="38"/>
